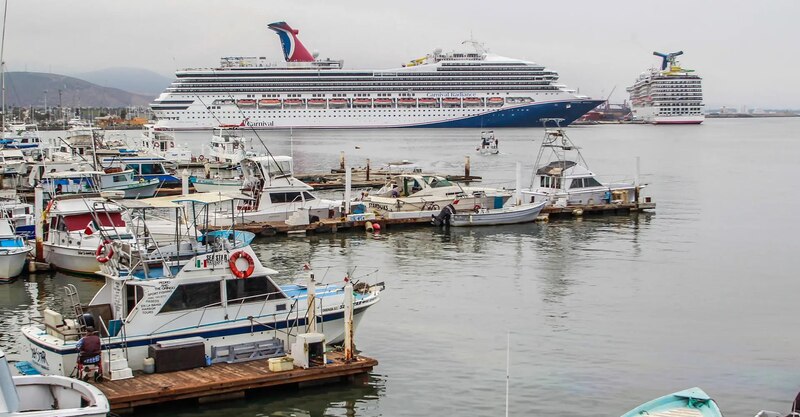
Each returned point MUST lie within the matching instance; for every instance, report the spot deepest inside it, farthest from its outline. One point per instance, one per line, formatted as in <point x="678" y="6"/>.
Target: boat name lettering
<point x="452" y="94"/>
<point x="217" y="259"/>
<point x="269" y="123"/>
<point x="379" y="206"/>
<point x="40" y="357"/>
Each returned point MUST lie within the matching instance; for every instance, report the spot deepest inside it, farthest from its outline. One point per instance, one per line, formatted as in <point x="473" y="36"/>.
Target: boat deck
<point x="679" y="412"/>
<point x="223" y="381"/>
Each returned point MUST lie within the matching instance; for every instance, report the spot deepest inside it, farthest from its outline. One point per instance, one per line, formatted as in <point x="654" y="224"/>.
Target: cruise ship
<point x="472" y="88"/>
<point x="670" y="95"/>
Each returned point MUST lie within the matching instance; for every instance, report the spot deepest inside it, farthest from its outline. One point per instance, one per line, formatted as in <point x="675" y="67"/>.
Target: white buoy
<point x="518" y="190"/>
<point x="185" y="182"/>
<point x="38" y="202"/>
<point x="311" y="296"/>
<point x="348" y="321"/>
<point x="348" y="182"/>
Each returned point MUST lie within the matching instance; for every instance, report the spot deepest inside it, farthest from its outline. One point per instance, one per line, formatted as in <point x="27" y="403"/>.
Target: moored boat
<point x="523" y="213"/>
<point x="13" y="251"/>
<point x="692" y="402"/>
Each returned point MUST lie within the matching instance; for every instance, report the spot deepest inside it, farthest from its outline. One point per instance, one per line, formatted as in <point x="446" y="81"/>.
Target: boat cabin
<point x="146" y="168"/>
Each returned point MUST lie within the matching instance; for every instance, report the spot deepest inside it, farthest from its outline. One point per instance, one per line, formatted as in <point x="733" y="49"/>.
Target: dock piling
<point x="341" y="160"/>
<point x="518" y="189"/>
<point x="367" y="169"/>
<point x="466" y="168"/>
<point x="311" y="296"/>
<point x="38" y="202"/>
<point x="348" y="322"/>
<point x="185" y="182"/>
<point x="348" y="182"/>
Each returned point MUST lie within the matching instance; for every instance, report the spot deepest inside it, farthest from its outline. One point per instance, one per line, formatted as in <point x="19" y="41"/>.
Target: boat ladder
<point x="75" y="302"/>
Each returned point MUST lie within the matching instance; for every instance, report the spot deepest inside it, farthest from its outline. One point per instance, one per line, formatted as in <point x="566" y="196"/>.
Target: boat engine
<point x="443" y="218"/>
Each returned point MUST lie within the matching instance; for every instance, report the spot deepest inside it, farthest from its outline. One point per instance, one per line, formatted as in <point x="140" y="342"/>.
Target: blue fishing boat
<point x="692" y="402"/>
<point x="147" y="168"/>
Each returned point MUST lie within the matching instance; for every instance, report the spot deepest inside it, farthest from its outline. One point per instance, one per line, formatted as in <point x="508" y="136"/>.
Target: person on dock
<point x="89" y="347"/>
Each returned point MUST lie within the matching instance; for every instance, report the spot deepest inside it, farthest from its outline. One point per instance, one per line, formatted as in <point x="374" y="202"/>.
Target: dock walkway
<point x="223" y="381"/>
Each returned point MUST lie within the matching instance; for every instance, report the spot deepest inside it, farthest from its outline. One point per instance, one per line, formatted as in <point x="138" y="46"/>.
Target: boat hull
<point x="692" y="402"/>
<point x="50" y="355"/>
<point x="512" y="215"/>
<point x="527" y="115"/>
<point x="78" y="260"/>
<point x="12" y="262"/>
<point x="142" y="190"/>
<point x="209" y="186"/>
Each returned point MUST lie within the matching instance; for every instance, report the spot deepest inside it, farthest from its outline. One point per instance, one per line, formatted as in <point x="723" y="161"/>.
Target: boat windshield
<point x="436" y="182"/>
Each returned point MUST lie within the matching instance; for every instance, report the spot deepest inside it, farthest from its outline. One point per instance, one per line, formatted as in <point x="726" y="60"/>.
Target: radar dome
<point x="437" y="51"/>
<point x="315" y="54"/>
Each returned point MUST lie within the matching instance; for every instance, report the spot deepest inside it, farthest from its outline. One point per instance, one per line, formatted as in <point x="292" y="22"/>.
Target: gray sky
<point x="744" y="50"/>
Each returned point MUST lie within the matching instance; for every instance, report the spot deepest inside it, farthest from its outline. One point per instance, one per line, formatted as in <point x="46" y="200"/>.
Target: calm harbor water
<point x="604" y="312"/>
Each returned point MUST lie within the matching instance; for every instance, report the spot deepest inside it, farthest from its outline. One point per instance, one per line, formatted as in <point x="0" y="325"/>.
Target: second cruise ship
<point x="454" y="89"/>
<point x="671" y="95"/>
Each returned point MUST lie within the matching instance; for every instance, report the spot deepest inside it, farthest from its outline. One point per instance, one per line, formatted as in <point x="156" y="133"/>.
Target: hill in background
<point x="135" y="80"/>
<point x="25" y="89"/>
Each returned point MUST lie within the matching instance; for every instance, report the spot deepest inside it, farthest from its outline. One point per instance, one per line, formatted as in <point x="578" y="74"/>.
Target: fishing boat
<point x="161" y="143"/>
<point x="111" y="179"/>
<point x="22" y="136"/>
<point x="146" y="168"/>
<point x="275" y="194"/>
<point x="13" y="251"/>
<point x="562" y="178"/>
<point x="12" y="162"/>
<point x="692" y="402"/>
<point x="20" y="214"/>
<point x="424" y="192"/>
<point x="73" y="233"/>
<point x="523" y="213"/>
<point x="205" y="185"/>
<point x="489" y="144"/>
<point x="219" y="296"/>
<point x="48" y="396"/>
<point x="228" y="146"/>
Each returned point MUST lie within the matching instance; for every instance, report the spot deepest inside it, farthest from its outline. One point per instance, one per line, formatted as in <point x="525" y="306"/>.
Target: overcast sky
<point x="746" y="51"/>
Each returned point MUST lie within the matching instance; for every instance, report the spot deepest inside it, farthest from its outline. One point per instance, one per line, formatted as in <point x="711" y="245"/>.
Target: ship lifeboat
<point x="316" y="102"/>
<point x="268" y="103"/>
<point x="428" y="102"/>
<point x="292" y="102"/>
<point x="383" y="102"/>
<point x="362" y="101"/>
<point x="246" y="102"/>
<point x="407" y="102"/>
<point x="495" y="101"/>
<point x="452" y="102"/>
<point x="337" y="103"/>
<point x="472" y="101"/>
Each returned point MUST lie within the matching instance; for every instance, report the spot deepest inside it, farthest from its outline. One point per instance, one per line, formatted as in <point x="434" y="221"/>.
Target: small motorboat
<point x="795" y="412"/>
<point x="523" y="213"/>
<point x="48" y="396"/>
<point x="489" y="144"/>
<point x="692" y="402"/>
<point x="13" y="251"/>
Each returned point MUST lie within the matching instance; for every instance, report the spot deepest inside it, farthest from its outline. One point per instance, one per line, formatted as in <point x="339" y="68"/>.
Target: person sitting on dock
<point x="89" y="347"/>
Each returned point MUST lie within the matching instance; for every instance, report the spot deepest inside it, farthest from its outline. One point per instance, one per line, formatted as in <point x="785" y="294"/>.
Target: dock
<point x="224" y="381"/>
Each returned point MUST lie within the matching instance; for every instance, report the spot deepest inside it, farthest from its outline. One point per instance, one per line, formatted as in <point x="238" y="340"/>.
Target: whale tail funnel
<point x="293" y="49"/>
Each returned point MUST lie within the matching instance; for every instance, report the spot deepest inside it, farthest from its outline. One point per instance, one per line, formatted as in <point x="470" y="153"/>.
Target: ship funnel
<point x="293" y="49"/>
<point x="668" y="58"/>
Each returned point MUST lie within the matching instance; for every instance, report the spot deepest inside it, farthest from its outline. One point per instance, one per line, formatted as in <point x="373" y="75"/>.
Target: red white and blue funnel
<point x="293" y="49"/>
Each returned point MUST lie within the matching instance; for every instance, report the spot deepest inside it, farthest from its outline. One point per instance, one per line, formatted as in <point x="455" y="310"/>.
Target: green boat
<point x="692" y="402"/>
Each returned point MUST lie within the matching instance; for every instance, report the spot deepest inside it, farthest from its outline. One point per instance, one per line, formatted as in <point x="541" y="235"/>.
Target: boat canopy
<point x="555" y="168"/>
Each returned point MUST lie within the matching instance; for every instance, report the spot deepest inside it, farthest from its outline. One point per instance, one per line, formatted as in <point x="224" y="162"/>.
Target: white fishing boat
<point x="561" y="177"/>
<point x="22" y="136"/>
<point x="228" y="146"/>
<point x="48" y="396"/>
<point x="73" y="224"/>
<point x="523" y="213"/>
<point x="276" y="194"/>
<point x="13" y="251"/>
<point x="225" y="185"/>
<point x="423" y="192"/>
<point x="489" y="144"/>
<point x="20" y="214"/>
<point x="219" y="296"/>
<point x="12" y="162"/>
<point x="159" y="142"/>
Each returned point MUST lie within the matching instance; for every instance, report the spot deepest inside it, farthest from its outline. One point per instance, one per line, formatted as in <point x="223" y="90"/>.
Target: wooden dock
<point x="224" y="381"/>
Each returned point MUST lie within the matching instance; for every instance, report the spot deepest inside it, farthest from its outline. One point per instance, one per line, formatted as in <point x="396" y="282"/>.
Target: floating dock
<point x="224" y="381"/>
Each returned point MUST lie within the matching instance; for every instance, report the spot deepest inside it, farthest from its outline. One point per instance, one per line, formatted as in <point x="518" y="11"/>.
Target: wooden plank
<point x="221" y="379"/>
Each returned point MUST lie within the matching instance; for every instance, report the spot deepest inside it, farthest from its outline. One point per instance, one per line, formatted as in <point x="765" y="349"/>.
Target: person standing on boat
<point x="89" y="347"/>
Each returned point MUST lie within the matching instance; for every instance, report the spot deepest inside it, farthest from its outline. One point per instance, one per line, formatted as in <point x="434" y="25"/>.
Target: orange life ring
<point x="477" y="208"/>
<point x="238" y="272"/>
<point x="101" y="254"/>
<point x="201" y="158"/>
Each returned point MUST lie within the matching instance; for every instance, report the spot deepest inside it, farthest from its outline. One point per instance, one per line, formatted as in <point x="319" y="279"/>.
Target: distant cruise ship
<point x="456" y="89"/>
<point x="671" y="95"/>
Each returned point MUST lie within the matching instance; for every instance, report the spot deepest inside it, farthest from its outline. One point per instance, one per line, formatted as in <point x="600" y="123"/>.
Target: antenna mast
<point x="3" y="63"/>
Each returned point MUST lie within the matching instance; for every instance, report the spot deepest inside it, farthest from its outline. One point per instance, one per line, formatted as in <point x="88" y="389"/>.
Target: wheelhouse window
<point x="591" y="182"/>
<point x="308" y="196"/>
<point x="284" y="197"/>
<point x="576" y="183"/>
<point x="251" y="290"/>
<point x="192" y="296"/>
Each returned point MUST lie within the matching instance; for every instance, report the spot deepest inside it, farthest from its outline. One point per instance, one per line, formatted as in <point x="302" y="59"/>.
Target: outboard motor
<point x="443" y="218"/>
